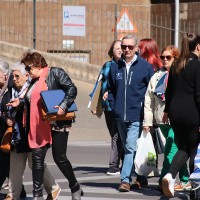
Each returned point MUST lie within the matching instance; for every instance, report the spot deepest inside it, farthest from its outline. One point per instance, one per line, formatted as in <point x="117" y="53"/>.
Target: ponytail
<point x="189" y="43"/>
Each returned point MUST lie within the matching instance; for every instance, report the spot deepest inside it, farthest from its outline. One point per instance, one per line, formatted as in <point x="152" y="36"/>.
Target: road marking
<point x="88" y="144"/>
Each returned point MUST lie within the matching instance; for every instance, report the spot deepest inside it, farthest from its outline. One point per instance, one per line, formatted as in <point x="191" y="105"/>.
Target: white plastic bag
<point x="145" y="158"/>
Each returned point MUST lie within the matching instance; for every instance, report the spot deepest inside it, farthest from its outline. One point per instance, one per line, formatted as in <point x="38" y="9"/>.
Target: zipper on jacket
<point x="126" y="80"/>
<point x="130" y="78"/>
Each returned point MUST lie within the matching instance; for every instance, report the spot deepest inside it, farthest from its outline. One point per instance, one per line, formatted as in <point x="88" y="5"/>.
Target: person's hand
<point x="13" y="103"/>
<point x="10" y="122"/>
<point x="105" y="96"/>
<point x="146" y="129"/>
<point x="60" y="110"/>
<point x="165" y="118"/>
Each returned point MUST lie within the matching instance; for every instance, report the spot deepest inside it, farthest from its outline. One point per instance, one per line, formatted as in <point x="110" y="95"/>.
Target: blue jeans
<point x="129" y="133"/>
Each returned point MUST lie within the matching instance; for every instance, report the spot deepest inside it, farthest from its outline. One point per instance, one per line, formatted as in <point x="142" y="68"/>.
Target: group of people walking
<point x="142" y="89"/>
<point x="21" y="108"/>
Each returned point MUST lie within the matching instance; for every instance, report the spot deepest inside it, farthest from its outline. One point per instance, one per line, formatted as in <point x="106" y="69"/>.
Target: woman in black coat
<point x="183" y="107"/>
<point x="4" y="99"/>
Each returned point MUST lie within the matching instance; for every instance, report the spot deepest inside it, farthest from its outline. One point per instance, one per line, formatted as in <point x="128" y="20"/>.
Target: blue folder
<point x="51" y="98"/>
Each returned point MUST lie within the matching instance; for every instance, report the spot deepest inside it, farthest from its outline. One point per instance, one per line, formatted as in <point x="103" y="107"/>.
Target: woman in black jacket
<point x="4" y="99"/>
<point x="183" y="107"/>
<point x="41" y="134"/>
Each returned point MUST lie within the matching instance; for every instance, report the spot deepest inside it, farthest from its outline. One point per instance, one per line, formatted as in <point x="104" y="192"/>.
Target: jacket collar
<point x="123" y="63"/>
<point x="193" y="56"/>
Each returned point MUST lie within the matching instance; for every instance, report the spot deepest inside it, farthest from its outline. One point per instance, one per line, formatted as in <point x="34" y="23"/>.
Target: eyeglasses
<point x="28" y="67"/>
<point x="16" y="76"/>
<point x="130" y="47"/>
<point x="167" y="57"/>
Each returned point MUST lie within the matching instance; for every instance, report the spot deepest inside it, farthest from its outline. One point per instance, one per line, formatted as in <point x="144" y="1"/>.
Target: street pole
<point x="115" y="29"/>
<point x="176" y="36"/>
<point x="34" y="24"/>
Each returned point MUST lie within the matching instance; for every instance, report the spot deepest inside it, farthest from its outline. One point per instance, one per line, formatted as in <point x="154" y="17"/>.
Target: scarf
<point x="161" y="86"/>
<point x="17" y="94"/>
<point x="40" y="131"/>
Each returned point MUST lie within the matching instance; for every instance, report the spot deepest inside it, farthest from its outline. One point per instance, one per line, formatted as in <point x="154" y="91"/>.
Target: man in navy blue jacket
<point x="128" y="83"/>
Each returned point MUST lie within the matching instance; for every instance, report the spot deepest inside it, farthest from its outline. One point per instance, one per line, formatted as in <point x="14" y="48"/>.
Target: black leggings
<point x="38" y="156"/>
<point x="187" y="140"/>
<point x="59" y="148"/>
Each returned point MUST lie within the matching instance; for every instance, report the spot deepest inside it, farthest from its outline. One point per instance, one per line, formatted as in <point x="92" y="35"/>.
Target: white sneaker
<point x="5" y="186"/>
<point x="112" y="172"/>
<point x="168" y="185"/>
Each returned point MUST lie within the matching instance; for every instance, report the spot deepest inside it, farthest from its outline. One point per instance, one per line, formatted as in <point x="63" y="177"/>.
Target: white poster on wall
<point x="74" y="20"/>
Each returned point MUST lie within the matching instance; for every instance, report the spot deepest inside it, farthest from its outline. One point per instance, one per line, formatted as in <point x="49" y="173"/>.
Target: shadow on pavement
<point x="89" y="170"/>
<point x="101" y="185"/>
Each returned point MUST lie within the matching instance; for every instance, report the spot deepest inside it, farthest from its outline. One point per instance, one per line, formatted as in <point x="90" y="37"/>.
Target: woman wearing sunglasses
<point x="183" y="107"/>
<point x="42" y="134"/>
<point x="153" y="109"/>
<point x="148" y="50"/>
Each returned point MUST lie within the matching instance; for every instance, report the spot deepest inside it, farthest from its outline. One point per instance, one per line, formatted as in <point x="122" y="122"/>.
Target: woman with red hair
<point x="148" y="49"/>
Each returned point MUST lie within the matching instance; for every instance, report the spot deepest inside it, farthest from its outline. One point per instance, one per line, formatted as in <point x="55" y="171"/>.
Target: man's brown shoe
<point x="124" y="187"/>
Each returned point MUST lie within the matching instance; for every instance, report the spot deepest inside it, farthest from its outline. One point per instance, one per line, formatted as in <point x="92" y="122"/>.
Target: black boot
<point x="38" y="156"/>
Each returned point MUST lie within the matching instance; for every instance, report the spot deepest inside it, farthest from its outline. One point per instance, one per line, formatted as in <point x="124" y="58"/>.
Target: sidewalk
<point x="88" y="128"/>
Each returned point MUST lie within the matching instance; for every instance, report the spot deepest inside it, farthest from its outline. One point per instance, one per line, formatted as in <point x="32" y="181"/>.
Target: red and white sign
<point x="125" y="24"/>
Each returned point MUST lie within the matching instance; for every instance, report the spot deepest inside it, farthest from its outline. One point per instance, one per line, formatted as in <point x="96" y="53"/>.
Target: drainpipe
<point x="34" y="24"/>
<point x="177" y="10"/>
<point x="115" y="36"/>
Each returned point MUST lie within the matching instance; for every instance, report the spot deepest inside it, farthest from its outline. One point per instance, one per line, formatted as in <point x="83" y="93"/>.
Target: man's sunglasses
<point x="130" y="47"/>
<point x="167" y="57"/>
<point x="28" y="67"/>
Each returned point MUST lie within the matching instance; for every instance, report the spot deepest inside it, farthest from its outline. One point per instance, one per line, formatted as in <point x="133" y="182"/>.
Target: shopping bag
<point x="145" y="158"/>
<point x="95" y="103"/>
<point x="160" y="141"/>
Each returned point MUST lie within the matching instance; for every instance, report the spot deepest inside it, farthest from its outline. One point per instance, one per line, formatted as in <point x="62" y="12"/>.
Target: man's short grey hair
<point x="4" y="67"/>
<point x="130" y="36"/>
<point x="19" y="67"/>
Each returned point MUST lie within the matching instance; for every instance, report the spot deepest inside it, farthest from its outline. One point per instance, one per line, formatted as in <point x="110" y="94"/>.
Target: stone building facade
<point x="147" y="18"/>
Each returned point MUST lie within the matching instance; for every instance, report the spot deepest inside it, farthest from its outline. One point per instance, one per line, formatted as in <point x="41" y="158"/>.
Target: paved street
<point x="88" y="150"/>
